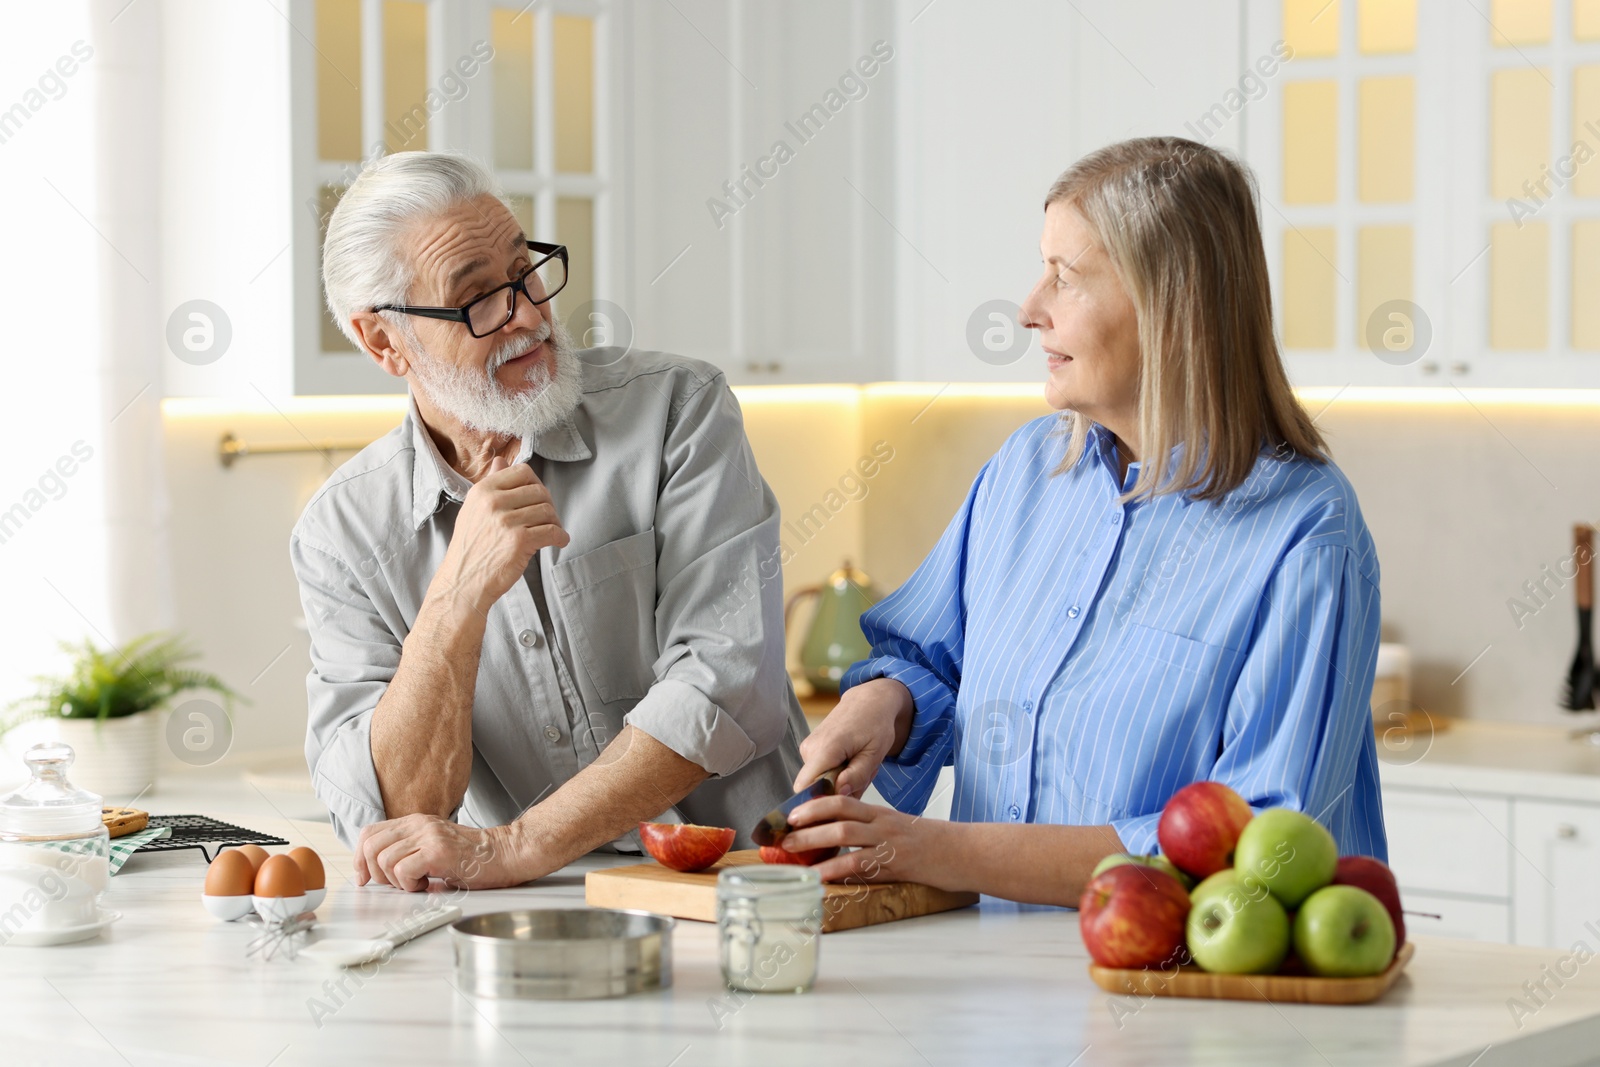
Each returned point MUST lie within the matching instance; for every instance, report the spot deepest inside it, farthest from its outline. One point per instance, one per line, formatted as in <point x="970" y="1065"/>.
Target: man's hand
<point x="406" y="852"/>
<point x="891" y="846"/>
<point x="506" y="518"/>
<point x="870" y="722"/>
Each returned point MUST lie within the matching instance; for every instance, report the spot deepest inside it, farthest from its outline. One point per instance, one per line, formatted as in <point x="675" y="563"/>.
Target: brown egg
<point x="256" y="854"/>
<point x="230" y="875"/>
<point x="280" y="877"/>
<point x="310" y="865"/>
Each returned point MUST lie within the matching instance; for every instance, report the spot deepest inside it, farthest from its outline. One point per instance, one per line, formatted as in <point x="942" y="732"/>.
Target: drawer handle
<point x="1567" y="830"/>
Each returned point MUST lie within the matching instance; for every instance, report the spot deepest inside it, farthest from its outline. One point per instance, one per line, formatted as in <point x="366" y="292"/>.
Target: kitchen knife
<point x="1578" y="694"/>
<point x="775" y="823"/>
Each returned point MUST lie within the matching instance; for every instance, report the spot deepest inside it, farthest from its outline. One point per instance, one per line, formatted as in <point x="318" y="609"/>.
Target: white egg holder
<point x="265" y="909"/>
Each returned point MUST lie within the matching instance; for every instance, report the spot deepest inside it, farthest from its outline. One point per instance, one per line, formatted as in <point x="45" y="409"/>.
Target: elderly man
<point x="535" y="606"/>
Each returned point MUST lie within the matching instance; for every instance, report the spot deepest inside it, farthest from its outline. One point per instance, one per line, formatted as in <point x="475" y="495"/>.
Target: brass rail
<point x="230" y="448"/>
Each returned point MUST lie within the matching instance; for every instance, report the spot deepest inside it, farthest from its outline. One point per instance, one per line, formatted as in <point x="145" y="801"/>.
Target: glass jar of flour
<point x="55" y="855"/>
<point x="769" y="919"/>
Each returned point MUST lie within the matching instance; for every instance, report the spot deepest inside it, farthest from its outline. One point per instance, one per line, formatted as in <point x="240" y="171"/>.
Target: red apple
<point x="806" y="858"/>
<point x="1200" y="826"/>
<point x="1133" y="916"/>
<point x="1373" y="875"/>
<point x="685" y="847"/>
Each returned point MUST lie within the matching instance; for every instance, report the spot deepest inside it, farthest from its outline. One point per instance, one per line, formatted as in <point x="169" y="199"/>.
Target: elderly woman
<point x="1167" y="582"/>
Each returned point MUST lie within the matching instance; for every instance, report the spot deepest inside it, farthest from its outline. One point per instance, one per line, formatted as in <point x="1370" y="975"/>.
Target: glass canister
<point x="55" y="853"/>
<point x="769" y="921"/>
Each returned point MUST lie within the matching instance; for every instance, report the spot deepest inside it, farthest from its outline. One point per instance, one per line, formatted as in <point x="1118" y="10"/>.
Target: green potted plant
<point x="108" y="706"/>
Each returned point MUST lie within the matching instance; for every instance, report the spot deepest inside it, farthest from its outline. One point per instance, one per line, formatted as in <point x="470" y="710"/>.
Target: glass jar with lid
<point x="55" y="855"/>
<point x="769" y="920"/>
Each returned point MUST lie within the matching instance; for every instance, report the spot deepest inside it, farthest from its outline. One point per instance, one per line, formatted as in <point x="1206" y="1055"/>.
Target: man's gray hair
<point x="362" y="262"/>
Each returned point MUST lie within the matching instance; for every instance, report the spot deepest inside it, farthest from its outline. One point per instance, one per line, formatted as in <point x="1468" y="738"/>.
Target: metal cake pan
<point x="563" y="953"/>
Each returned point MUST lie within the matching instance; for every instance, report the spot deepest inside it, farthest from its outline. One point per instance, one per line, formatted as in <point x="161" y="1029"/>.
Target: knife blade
<point x="775" y="823"/>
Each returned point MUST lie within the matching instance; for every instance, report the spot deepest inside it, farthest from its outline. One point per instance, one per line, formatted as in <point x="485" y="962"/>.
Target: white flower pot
<point x="115" y="758"/>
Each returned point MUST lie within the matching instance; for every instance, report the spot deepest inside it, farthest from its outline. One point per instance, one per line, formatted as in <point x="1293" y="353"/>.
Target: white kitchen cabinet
<point x="1398" y="265"/>
<point x="1472" y="920"/>
<point x="761" y="223"/>
<point x="1556" y="873"/>
<point x="995" y="101"/>
<point x="1497" y="829"/>
<point x="1495" y="866"/>
<point x="1449" y="842"/>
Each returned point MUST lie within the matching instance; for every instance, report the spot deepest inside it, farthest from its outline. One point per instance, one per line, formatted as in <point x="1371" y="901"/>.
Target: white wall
<point x="225" y="195"/>
<point x="55" y="271"/>
<point x="1462" y="517"/>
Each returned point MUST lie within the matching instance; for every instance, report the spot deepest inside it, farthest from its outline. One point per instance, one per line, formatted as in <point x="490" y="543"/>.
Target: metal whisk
<point x="279" y="935"/>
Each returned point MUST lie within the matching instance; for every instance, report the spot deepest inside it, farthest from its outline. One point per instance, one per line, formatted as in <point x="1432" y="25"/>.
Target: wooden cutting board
<point x="1190" y="981"/>
<point x="652" y="887"/>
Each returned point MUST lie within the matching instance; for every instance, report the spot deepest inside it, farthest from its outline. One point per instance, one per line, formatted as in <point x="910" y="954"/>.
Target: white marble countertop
<point x="169" y="985"/>
<point x="1495" y="757"/>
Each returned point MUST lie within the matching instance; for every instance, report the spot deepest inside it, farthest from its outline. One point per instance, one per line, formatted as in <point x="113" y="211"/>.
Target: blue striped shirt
<point x="1079" y="659"/>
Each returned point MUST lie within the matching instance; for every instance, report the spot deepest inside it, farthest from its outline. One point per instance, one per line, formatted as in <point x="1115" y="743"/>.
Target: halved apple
<point x="685" y="847"/>
<point x="807" y="858"/>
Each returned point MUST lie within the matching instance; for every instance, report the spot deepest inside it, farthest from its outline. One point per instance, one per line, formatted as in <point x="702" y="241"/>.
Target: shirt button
<point x="1072" y="612"/>
<point x="1027" y="705"/>
<point x="529" y="639"/>
<point x="1015" y="812"/>
<point x="1115" y="518"/>
<point x="552" y="733"/>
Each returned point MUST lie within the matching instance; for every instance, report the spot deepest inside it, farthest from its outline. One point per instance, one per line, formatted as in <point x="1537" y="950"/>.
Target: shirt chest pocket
<point x="608" y="596"/>
<point x="1154" y="695"/>
<point x="1160" y="674"/>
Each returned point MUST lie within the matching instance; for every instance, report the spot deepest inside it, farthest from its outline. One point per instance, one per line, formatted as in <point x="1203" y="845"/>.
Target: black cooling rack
<point x="198" y="831"/>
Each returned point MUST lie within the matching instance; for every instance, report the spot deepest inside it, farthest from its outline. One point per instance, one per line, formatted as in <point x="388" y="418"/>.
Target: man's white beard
<point x="478" y="401"/>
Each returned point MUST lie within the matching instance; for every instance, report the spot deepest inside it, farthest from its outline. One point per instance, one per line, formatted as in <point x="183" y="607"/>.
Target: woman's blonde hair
<point x="1178" y="221"/>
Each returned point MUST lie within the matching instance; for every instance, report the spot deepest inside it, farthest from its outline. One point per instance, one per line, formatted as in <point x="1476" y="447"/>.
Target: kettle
<point x="834" y="640"/>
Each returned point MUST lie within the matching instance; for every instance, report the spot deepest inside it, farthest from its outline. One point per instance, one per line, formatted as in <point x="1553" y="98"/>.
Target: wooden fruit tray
<point x="1283" y="988"/>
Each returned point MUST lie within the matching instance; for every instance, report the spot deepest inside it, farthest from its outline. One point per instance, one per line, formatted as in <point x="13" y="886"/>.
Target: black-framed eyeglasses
<point x="487" y="313"/>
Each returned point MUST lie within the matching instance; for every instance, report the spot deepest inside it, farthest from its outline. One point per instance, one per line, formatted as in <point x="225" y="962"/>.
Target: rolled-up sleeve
<point x="1298" y="730"/>
<point x="720" y="694"/>
<point x="354" y="655"/>
<point x="916" y="634"/>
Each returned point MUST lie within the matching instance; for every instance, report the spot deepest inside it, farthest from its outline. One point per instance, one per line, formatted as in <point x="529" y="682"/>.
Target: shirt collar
<point x="1102" y="448"/>
<point x="433" y="478"/>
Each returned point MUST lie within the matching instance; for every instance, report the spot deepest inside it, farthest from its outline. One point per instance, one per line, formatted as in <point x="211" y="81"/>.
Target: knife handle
<point x="1583" y="554"/>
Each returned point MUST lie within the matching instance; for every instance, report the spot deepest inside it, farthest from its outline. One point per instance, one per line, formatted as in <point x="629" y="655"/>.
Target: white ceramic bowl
<point x="228" y="908"/>
<point x="279" y="909"/>
<point x="315" y="897"/>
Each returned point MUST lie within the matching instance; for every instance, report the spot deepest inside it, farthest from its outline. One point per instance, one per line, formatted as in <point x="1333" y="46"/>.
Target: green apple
<point x="1343" y="932"/>
<point x="1159" y="862"/>
<point x="1212" y="884"/>
<point x="1233" y="932"/>
<point x="1292" y="854"/>
<point x="1230" y="882"/>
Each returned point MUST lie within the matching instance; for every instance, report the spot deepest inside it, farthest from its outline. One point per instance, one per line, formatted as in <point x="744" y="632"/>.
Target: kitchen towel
<point x="121" y="847"/>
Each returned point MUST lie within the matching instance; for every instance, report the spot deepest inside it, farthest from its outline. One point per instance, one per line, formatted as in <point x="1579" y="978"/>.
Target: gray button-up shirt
<point x="665" y="611"/>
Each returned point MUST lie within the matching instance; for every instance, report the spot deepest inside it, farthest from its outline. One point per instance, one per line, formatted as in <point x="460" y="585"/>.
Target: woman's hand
<point x="870" y="722"/>
<point x="406" y="852"/>
<point x="891" y="846"/>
